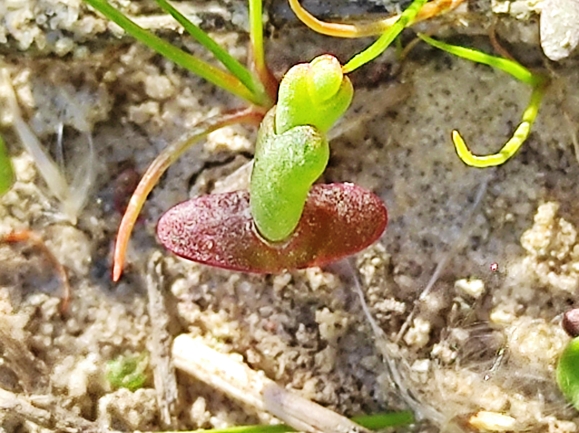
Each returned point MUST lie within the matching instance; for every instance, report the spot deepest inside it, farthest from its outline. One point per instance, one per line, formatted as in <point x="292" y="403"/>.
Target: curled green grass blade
<point x="511" y="147"/>
<point x="203" y="69"/>
<point x="536" y="81"/>
<point x="509" y="66"/>
<point x="384" y="41"/>
<point x="230" y="63"/>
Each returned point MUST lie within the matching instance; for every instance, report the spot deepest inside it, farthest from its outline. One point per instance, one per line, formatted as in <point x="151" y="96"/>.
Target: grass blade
<point x="506" y="65"/>
<point x="384" y="41"/>
<point x="256" y="34"/>
<point x="232" y="65"/>
<point x="203" y="69"/>
<point x="373" y="422"/>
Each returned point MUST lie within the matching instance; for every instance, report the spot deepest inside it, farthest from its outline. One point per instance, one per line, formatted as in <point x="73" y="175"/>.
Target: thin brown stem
<point x="167" y="157"/>
<point x="429" y="10"/>
<point x="30" y="236"/>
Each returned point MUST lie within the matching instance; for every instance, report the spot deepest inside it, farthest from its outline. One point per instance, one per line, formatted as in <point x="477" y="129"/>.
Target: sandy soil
<point x="479" y="347"/>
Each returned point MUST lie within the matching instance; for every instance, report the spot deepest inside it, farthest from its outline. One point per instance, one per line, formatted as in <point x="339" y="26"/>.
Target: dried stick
<point x="159" y="343"/>
<point x="232" y="377"/>
<point x="57" y="419"/>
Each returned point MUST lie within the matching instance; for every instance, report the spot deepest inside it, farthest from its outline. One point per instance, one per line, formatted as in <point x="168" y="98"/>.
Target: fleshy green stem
<point x="292" y="149"/>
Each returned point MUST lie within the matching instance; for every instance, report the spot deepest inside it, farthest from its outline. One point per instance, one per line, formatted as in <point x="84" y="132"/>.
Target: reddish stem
<point x="154" y="172"/>
<point x="28" y="235"/>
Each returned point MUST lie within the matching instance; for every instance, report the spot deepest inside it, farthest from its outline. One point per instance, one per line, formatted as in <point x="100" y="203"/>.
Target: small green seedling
<point x="6" y="169"/>
<point x="292" y="150"/>
<point x="128" y="371"/>
<point x="291" y="153"/>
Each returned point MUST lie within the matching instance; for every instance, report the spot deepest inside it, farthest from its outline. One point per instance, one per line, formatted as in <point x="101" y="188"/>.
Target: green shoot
<point x="506" y="65"/>
<point x="232" y="64"/>
<point x="256" y="36"/>
<point x="537" y="82"/>
<point x="128" y="371"/>
<point x="234" y="84"/>
<point x="256" y="33"/>
<point x="6" y="169"/>
<point x="384" y="41"/>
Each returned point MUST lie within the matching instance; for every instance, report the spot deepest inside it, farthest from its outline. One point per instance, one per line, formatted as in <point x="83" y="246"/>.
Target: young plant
<point x="127" y="371"/>
<point x="284" y="222"/>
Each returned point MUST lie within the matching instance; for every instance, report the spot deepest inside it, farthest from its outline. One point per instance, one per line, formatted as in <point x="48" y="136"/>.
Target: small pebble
<point x="571" y="322"/>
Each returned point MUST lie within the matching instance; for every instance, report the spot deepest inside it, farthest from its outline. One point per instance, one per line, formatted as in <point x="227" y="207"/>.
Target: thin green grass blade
<point x="268" y="80"/>
<point x="509" y="66"/>
<point x="386" y="39"/>
<point x="381" y="421"/>
<point x="373" y="422"/>
<point x="203" y="69"/>
<point x="232" y="65"/>
<point x="256" y="33"/>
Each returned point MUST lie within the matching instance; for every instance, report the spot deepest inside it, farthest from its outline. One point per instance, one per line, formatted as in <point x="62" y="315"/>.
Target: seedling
<point x="128" y="371"/>
<point x="285" y="222"/>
